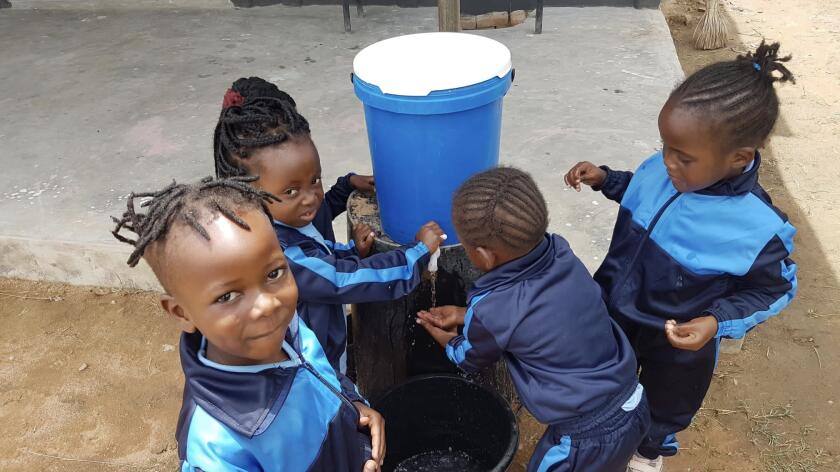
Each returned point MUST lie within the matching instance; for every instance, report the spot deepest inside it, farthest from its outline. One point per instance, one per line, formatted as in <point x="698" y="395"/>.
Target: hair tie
<point x="757" y="66"/>
<point x="232" y="99"/>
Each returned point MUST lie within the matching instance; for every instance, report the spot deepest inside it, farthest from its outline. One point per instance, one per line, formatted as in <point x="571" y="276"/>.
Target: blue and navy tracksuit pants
<point x="601" y="442"/>
<point x="675" y="381"/>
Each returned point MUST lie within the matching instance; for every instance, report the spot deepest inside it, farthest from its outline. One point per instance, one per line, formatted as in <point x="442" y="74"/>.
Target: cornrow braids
<point x="184" y="204"/>
<point x="738" y="96"/>
<point x="255" y="114"/>
<point x="501" y="206"/>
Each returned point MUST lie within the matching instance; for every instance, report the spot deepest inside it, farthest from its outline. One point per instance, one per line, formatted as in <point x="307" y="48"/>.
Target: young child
<point x="538" y="307"/>
<point x="698" y="252"/>
<point x="260" y="133"/>
<point x="259" y="392"/>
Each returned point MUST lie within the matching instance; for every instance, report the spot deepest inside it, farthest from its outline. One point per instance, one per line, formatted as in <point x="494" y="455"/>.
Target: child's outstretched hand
<point x="363" y="183"/>
<point x="444" y="317"/>
<point x="585" y="173"/>
<point x="691" y="335"/>
<point x="441" y="336"/>
<point x="371" y="419"/>
<point x="363" y="236"/>
<point x="430" y="234"/>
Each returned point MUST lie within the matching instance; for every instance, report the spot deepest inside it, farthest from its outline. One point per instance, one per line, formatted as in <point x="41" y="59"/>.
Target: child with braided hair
<point x="538" y="307"/>
<point x="259" y="393"/>
<point x="260" y="133"/>
<point x="698" y="252"/>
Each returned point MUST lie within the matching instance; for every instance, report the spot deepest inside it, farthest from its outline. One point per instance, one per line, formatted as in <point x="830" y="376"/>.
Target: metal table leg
<point x="538" y="27"/>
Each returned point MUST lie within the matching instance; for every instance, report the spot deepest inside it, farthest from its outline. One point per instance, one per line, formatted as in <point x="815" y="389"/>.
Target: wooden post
<point x="345" y="7"/>
<point x="449" y="15"/>
<point x="388" y="346"/>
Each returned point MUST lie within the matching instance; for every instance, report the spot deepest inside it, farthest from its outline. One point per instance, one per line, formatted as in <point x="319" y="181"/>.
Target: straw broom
<point x="711" y="32"/>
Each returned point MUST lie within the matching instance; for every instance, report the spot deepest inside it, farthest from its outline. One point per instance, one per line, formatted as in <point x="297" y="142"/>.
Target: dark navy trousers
<point x="675" y="381"/>
<point x="603" y="442"/>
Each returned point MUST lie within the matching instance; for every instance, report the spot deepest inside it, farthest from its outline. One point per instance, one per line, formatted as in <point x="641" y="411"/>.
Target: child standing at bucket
<point x="259" y="393"/>
<point x="698" y="252"/>
<point x="260" y="133"/>
<point x="538" y="307"/>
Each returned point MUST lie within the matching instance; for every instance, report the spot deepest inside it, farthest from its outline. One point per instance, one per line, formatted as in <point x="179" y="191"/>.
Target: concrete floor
<point x="99" y="102"/>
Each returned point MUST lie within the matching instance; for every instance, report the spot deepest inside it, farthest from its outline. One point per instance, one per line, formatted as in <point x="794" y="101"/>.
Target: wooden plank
<point x="449" y="15"/>
<point x="345" y="7"/>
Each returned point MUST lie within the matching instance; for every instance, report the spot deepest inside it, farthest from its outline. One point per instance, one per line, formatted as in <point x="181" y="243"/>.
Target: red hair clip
<point x="232" y="99"/>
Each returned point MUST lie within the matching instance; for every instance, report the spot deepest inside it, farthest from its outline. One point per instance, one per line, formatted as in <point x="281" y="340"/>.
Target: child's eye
<point x="227" y="297"/>
<point x="316" y="181"/>
<point x="292" y="192"/>
<point x="276" y="274"/>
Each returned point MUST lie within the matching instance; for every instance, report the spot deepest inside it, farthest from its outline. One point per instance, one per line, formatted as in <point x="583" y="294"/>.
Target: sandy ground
<point x="89" y="378"/>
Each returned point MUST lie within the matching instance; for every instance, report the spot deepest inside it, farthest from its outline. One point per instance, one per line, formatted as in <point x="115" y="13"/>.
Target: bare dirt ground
<point x="89" y="378"/>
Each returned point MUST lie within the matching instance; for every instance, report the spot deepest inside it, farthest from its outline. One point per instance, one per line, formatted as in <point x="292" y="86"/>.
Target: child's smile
<point x="236" y="289"/>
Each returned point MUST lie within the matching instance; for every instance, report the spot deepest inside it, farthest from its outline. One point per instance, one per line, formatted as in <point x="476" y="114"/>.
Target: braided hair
<point x="738" y="96"/>
<point x="255" y="114"/>
<point x="185" y="204"/>
<point x="500" y="207"/>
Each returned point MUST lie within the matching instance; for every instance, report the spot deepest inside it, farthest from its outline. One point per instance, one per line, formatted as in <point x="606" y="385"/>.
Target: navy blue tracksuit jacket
<point x="296" y="415"/>
<point x="329" y="274"/>
<point x="571" y="365"/>
<point x="721" y="251"/>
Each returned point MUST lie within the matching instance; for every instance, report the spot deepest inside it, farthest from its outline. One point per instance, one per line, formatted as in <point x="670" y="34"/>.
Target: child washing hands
<point x="539" y="309"/>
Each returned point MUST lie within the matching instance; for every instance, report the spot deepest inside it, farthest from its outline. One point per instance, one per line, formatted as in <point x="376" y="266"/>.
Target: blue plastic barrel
<point x="426" y="141"/>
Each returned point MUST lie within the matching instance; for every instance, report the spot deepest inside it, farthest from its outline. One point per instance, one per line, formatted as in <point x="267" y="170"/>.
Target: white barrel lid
<point x="418" y="64"/>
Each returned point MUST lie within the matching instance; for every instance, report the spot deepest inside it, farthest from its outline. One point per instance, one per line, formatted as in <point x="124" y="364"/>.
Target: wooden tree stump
<point x="388" y="346"/>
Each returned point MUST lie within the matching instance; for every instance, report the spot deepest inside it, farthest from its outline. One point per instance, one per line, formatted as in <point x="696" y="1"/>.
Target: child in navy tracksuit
<point x="699" y="252"/>
<point x="260" y="133"/>
<point x="538" y="307"/>
<point x="259" y="392"/>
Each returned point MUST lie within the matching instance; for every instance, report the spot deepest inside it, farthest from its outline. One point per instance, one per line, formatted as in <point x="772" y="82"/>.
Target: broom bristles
<point x="711" y="32"/>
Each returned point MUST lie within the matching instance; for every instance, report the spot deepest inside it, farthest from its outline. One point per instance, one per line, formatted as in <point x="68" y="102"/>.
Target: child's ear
<point x="742" y="157"/>
<point x="176" y="312"/>
<point x="487" y="258"/>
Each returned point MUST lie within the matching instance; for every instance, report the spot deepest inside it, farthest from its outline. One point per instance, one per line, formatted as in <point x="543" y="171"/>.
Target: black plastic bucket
<point x="446" y="422"/>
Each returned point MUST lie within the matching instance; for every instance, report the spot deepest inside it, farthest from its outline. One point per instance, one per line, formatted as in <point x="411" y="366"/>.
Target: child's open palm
<point x="441" y="335"/>
<point x="444" y="317"/>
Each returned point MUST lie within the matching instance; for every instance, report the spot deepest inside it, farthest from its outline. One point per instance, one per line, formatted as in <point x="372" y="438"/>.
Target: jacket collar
<point x="308" y="232"/>
<point x="244" y="402"/>
<point x="517" y="270"/>
<point x="738" y="185"/>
